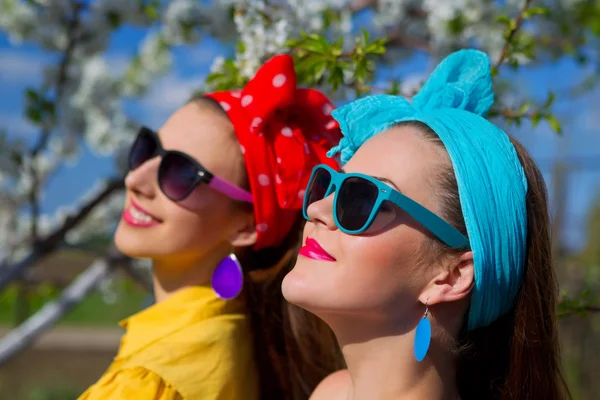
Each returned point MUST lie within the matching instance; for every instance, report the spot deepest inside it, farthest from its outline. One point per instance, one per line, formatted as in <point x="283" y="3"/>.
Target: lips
<point x="136" y="216"/>
<point x="312" y="249"/>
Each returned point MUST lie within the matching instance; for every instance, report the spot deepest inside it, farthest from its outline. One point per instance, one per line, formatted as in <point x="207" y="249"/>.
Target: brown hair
<point x="517" y="356"/>
<point x="294" y="349"/>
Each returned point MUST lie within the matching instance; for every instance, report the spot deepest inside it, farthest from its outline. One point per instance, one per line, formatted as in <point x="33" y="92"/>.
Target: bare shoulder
<point x="333" y="387"/>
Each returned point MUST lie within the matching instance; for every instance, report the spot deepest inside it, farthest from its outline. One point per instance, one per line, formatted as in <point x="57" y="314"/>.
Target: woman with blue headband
<point x="428" y="254"/>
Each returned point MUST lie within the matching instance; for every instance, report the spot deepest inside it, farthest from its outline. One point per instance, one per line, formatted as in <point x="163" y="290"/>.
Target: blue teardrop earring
<point x="422" y="336"/>
<point x="228" y="278"/>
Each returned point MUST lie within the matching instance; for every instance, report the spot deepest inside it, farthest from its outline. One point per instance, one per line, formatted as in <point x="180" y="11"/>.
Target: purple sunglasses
<point x="178" y="174"/>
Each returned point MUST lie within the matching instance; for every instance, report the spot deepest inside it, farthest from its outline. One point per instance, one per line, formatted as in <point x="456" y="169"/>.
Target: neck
<point x="174" y="273"/>
<point x="382" y="366"/>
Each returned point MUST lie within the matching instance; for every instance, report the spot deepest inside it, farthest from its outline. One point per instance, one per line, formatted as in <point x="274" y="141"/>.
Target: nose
<point x="321" y="212"/>
<point x="143" y="180"/>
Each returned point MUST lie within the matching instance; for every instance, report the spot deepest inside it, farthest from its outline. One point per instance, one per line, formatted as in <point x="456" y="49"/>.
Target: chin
<point x="299" y="290"/>
<point x="133" y="245"/>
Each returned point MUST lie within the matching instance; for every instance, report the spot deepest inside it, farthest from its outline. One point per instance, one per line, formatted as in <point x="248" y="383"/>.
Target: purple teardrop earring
<point x="228" y="278"/>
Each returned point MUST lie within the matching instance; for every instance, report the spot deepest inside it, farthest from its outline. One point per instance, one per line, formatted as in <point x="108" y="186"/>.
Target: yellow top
<point x="191" y="346"/>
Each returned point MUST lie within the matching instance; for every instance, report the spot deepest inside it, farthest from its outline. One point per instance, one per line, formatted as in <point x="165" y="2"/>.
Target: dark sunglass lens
<point x="356" y="199"/>
<point x="318" y="186"/>
<point x="177" y="176"/>
<point x="143" y="149"/>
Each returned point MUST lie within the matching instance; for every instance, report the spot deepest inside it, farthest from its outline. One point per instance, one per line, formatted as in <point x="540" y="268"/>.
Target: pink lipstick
<point x="312" y="249"/>
<point x="135" y="215"/>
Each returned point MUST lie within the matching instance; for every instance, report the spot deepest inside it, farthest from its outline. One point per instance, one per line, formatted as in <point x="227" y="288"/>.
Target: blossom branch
<point x="72" y="26"/>
<point x="33" y="196"/>
<point x="511" y="34"/>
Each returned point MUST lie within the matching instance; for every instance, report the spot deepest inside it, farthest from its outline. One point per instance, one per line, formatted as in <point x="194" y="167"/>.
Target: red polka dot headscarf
<point x="284" y="131"/>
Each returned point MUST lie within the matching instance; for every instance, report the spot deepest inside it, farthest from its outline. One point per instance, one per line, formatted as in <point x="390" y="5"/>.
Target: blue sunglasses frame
<point x="432" y="222"/>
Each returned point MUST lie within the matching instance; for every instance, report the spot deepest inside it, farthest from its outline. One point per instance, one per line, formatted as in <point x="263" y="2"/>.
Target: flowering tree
<point x="80" y="101"/>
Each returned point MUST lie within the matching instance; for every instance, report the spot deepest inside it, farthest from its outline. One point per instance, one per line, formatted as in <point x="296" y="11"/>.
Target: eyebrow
<point x="380" y="178"/>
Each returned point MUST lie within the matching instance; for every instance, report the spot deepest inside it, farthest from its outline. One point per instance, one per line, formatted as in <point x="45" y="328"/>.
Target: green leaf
<point x="530" y="12"/>
<point x="376" y="47"/>
<point x="214" y="77"/>
<point x="152" y="13"/>
<point x="337" y="77"/>
<point x="524" y="108"/>
<point x="578" y="304"/>
<point x="494" y="71"/>
<point x="241" y="47"/>
<point x="549" y="101"/>
<point x="394" y="89"/>
<point x="49" y="108"/>
<point x="32" y="96"/>
<point x="365" y="36"/>
<point x="313" y="44"/>
<point x="554" y="123"/>
<point x="361" y="71"/>
<point x="34" y="114"/>
<point x="457" y="25"/>
<point x="149" y="8"/>
<point x="319" y="70"/>
<point x="329" y="17"/>
<point x="114" y="19"/>
<point x="503" y="19"/>
<point x="16" y="158"/>
<point x="535" y="119"/>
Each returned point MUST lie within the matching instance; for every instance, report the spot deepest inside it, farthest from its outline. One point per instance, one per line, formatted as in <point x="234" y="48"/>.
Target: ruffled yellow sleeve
<point x="136" y="383"/>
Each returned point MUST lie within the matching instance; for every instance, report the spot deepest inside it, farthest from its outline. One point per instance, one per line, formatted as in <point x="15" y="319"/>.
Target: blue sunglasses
<point x="358" y="199"/>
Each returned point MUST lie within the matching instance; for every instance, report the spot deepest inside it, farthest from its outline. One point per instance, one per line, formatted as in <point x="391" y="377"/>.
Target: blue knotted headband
<point x="491" y="182"/>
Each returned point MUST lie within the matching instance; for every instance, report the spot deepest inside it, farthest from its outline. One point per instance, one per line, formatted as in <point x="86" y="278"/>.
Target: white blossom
<point x="154" y="54"/>
<point x="218" y="64"/>
<point x="180" y="15"/>
<point x="18" y="18"/>
<point x="264" y="29"/>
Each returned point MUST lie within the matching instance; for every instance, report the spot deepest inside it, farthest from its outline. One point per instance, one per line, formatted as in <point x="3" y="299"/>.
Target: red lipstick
<point x="312" y="249"/>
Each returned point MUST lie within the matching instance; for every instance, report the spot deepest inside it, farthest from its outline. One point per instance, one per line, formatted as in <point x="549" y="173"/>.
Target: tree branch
<point x="359" y="5"/>
<point x="62" y="72"/>
<point x="22" y="336"/>
<point x="400" y="39"/>
<point x="511" y="34"/>
<point x="33" y="196"/>
<point x="45" y="246"/>
<point x="137" y="276"/>
<point x="578" y="310"/>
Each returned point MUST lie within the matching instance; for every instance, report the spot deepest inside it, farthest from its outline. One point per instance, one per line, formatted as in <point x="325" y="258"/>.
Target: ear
<point x="244" y="233"/>
<point x="454" y="281"/>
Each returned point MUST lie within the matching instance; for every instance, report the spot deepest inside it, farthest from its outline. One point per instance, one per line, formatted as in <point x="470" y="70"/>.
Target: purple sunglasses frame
<point x="202" y="174"/>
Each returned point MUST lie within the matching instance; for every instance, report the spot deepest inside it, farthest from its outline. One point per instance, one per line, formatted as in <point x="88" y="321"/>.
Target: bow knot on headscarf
<point x="461" y="82"/>
<point x="491" y="182"/>
<point x="284" y="131"/>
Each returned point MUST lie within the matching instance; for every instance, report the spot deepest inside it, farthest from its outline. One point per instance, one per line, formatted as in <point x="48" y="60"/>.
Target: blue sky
<point x="20" y="67"/>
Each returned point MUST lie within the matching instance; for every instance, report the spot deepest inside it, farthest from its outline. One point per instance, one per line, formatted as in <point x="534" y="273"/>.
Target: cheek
<point x="378" y="267"/>
<point x="197" y="221"/>
<point x="370" y="273"/>
<point x="200" y="199"/>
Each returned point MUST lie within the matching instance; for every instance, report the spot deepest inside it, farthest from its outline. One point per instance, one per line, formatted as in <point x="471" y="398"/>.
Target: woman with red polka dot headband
<point x="214" y="198"/>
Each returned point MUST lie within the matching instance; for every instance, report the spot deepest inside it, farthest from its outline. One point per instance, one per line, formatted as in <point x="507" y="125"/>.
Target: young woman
<point x="214" y="200"/>
<point x="429" y="254"/>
